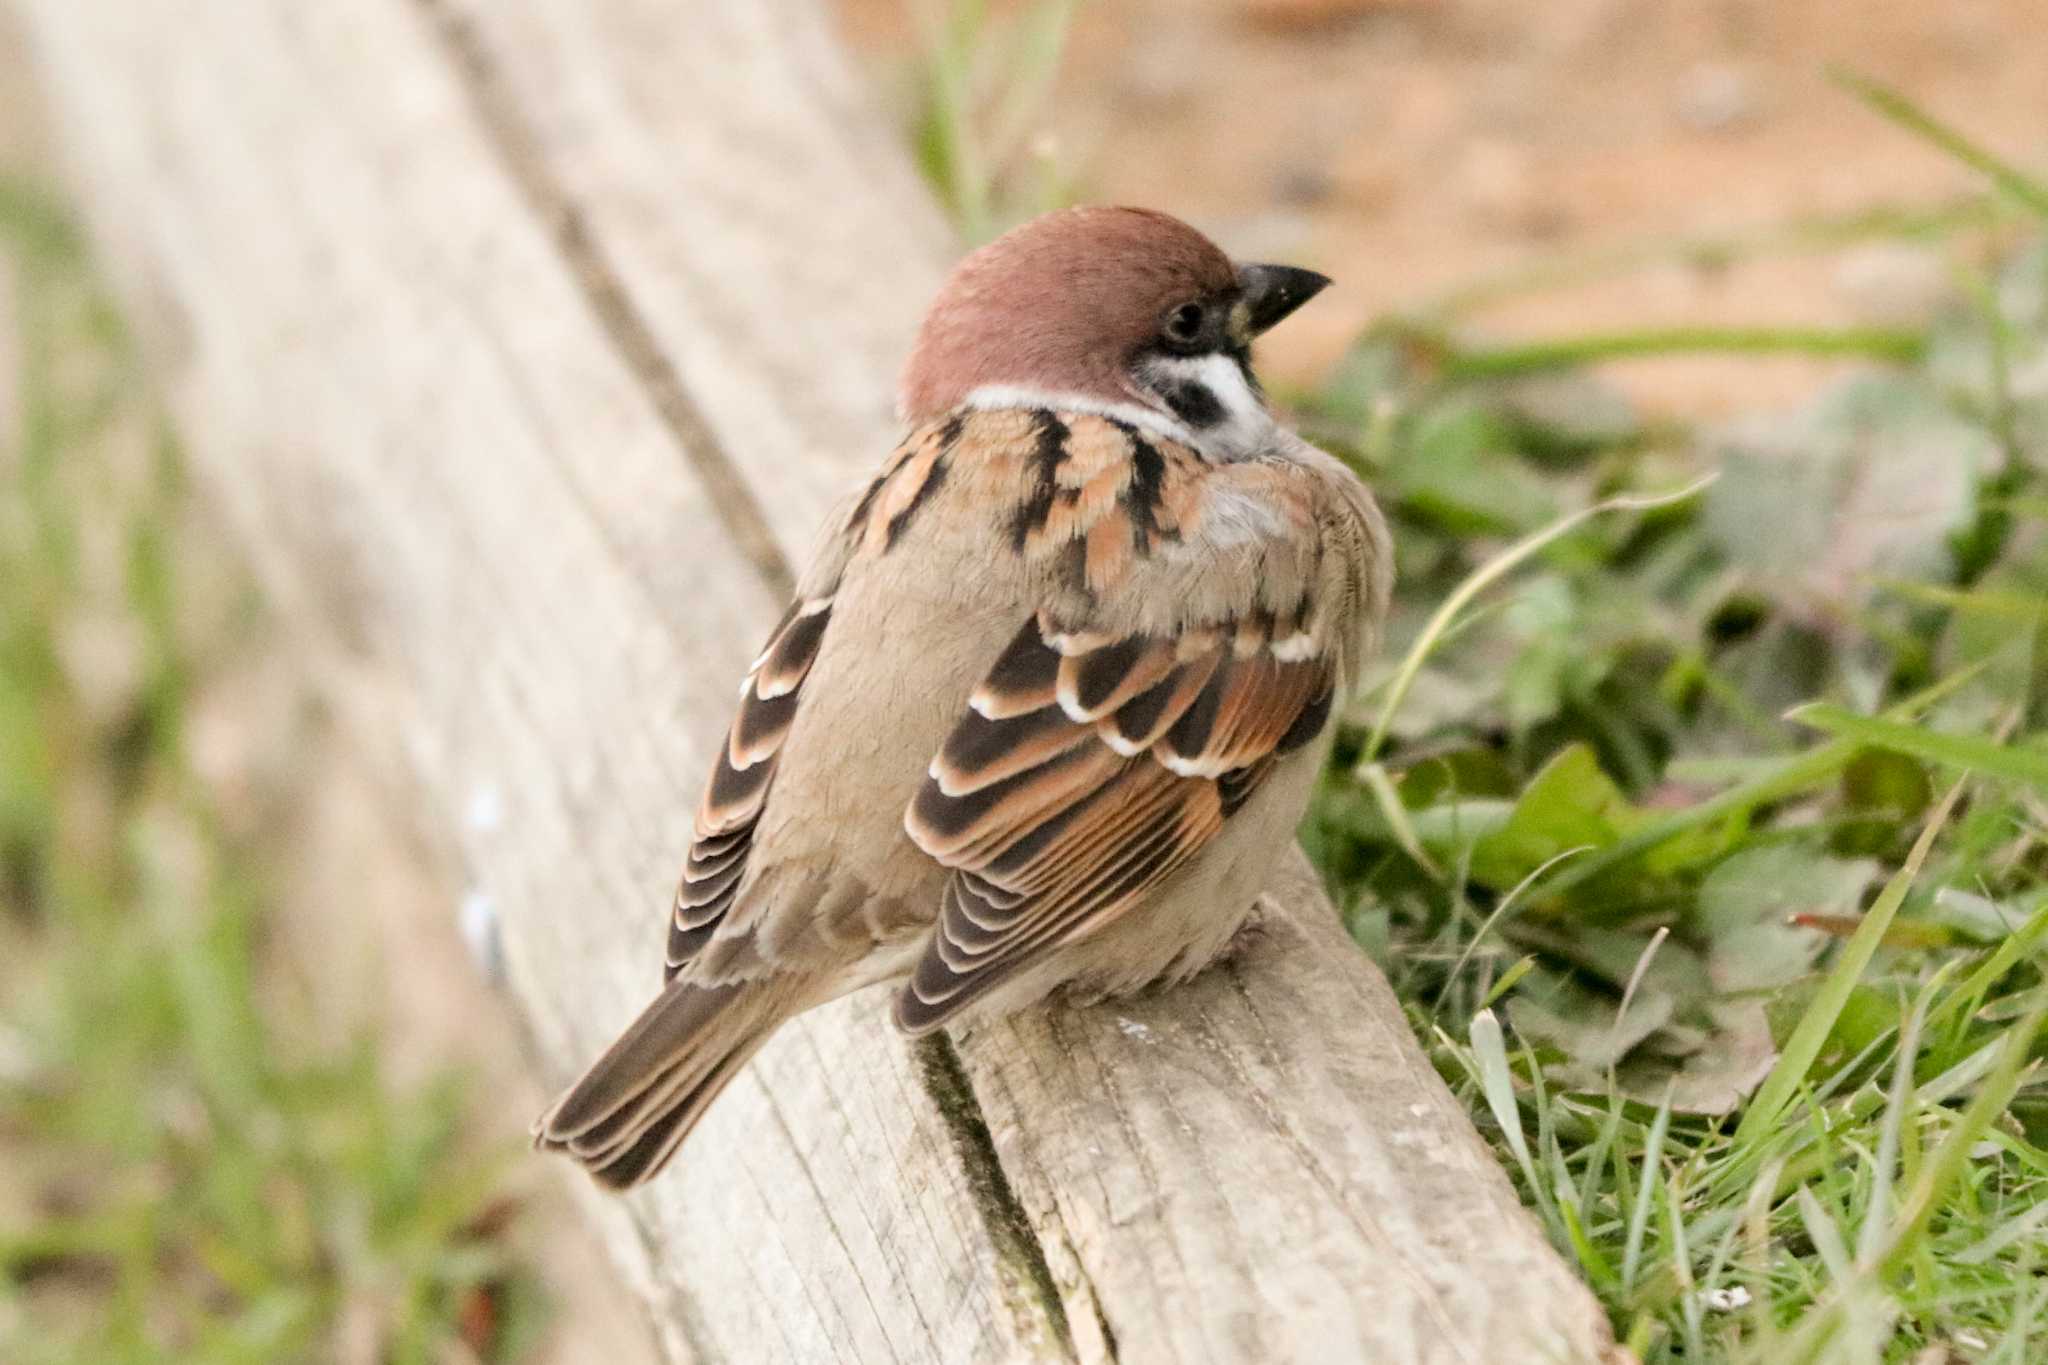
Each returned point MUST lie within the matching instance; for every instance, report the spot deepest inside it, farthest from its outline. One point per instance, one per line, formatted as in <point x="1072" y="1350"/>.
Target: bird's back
<point x="922" y="587"/>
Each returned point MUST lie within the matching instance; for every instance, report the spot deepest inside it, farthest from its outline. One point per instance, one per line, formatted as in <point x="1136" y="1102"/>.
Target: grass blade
<point x="1484" y="577"/>
<point x="1796" y="774"/>
<point x="1818" y="1022"/>
<point x="1376" y="781"/>
<point x="1946" y="1165"/>
<point x="2010" y="180"/>
<point x="1681" y="1267"/>
<point x="2019" y="944"/>
<point x="1646" y="1195"/>
<point x="1490" y="1051"/>
<point x="2026" y="1226"/>
<point x="2034" y="716"/>
<point x="1971" y="753"/>
<point x="1508" y="979"/>
<point x="1889" y="344"/>
<point x="1825" y="1235"/>
<point x="1900" y="1098"/>
<point x="1507" y="903"/>
<point x="1590" y="1260"/>
<point x="1797" y="237"/>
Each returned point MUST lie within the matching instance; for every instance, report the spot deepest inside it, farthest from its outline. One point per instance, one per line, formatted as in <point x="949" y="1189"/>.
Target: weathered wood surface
<point x="522" y="342"/>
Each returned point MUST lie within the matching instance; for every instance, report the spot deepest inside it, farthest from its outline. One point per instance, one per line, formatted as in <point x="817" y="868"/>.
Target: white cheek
<point x="1246" y="427"/>
<point x="1225" y="378"/>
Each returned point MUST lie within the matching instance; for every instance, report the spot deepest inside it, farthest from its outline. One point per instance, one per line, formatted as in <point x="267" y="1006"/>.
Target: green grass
<point x="982" y="84"/>
<point x="1703" y="828"/>
<point x="184" y="1174"/>
<point x="1753" y="1018"/>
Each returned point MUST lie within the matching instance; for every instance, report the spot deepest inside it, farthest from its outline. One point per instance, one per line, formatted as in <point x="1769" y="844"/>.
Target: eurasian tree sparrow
<point x="1051" y="696"/>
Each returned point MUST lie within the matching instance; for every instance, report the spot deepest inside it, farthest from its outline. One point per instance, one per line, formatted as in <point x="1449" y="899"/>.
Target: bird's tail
<point x="634" y="1106"/>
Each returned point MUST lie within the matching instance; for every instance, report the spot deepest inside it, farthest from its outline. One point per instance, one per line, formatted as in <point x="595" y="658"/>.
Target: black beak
<point x="1274" y="291"/>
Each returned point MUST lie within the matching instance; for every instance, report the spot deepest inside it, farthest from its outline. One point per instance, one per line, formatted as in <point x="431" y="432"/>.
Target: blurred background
<point x="1635" y="826"/>
<point x="1503" y="161"/>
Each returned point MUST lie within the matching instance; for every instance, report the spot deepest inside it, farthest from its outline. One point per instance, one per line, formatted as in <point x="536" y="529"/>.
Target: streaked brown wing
<point x="1089" y="768"/>
<point x="740" y="779"/>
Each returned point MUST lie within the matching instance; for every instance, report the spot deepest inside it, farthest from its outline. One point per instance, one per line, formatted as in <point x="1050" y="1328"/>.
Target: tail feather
<point x="630" y="1111"/>
<point x="642" y="1155"/>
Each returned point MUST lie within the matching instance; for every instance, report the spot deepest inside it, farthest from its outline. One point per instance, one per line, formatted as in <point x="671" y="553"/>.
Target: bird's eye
<point x="1185" y="324"/>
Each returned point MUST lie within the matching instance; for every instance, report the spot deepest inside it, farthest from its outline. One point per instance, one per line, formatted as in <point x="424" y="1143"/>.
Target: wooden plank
<point x="444" y="471"/>
<point x="511" y="335"/>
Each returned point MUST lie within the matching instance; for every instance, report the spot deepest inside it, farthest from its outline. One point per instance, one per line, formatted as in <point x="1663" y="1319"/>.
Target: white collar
<point x="997" y="396"/>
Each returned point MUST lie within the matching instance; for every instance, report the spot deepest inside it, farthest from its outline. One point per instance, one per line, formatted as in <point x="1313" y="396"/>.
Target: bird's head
<point x="1117" y="310"/>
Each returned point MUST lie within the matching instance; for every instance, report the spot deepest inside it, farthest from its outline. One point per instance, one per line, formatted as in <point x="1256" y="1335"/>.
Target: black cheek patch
<point x="1194" y="403"/>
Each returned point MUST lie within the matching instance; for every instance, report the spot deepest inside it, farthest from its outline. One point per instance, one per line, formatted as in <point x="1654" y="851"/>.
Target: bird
<point x="1049" y="699"/>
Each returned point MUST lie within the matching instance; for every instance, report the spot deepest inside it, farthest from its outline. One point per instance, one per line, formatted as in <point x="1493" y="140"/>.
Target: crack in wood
<point x="610" y="301"/>
<point x="1016" y="1242"/>
<point x="943" y="1077"/>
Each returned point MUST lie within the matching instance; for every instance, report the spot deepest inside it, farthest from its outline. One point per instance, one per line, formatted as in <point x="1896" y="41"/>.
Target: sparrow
<point x="1052" y="692"/>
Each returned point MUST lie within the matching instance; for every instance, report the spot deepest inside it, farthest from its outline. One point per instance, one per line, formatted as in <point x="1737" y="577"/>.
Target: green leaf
<point x="1971" y="753"/>
<point x="1445" y="829"/>
<point x="1457" y="469"/>
<point x="1869" y="480"/>
<point x="1746" y="904"/>
<point x="1781" y="778"/>
<point x="1569" y="804"/>
<point x="1584" y="1026"/>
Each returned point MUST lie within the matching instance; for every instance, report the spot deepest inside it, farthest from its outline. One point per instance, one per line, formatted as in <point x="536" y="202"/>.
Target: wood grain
<point x="522" y="342"/>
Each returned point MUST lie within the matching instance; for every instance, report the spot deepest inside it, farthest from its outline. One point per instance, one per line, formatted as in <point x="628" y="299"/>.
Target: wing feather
<point x="740" y="778"/>
<point x="1090" y="767"/>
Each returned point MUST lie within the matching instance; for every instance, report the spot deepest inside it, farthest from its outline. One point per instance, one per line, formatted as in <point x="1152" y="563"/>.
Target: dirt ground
<point x="1407" y="147"/>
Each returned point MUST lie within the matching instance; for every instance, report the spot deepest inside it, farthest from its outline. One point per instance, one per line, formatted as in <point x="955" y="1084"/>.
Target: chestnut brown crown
<point x="1074" y="302"/>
